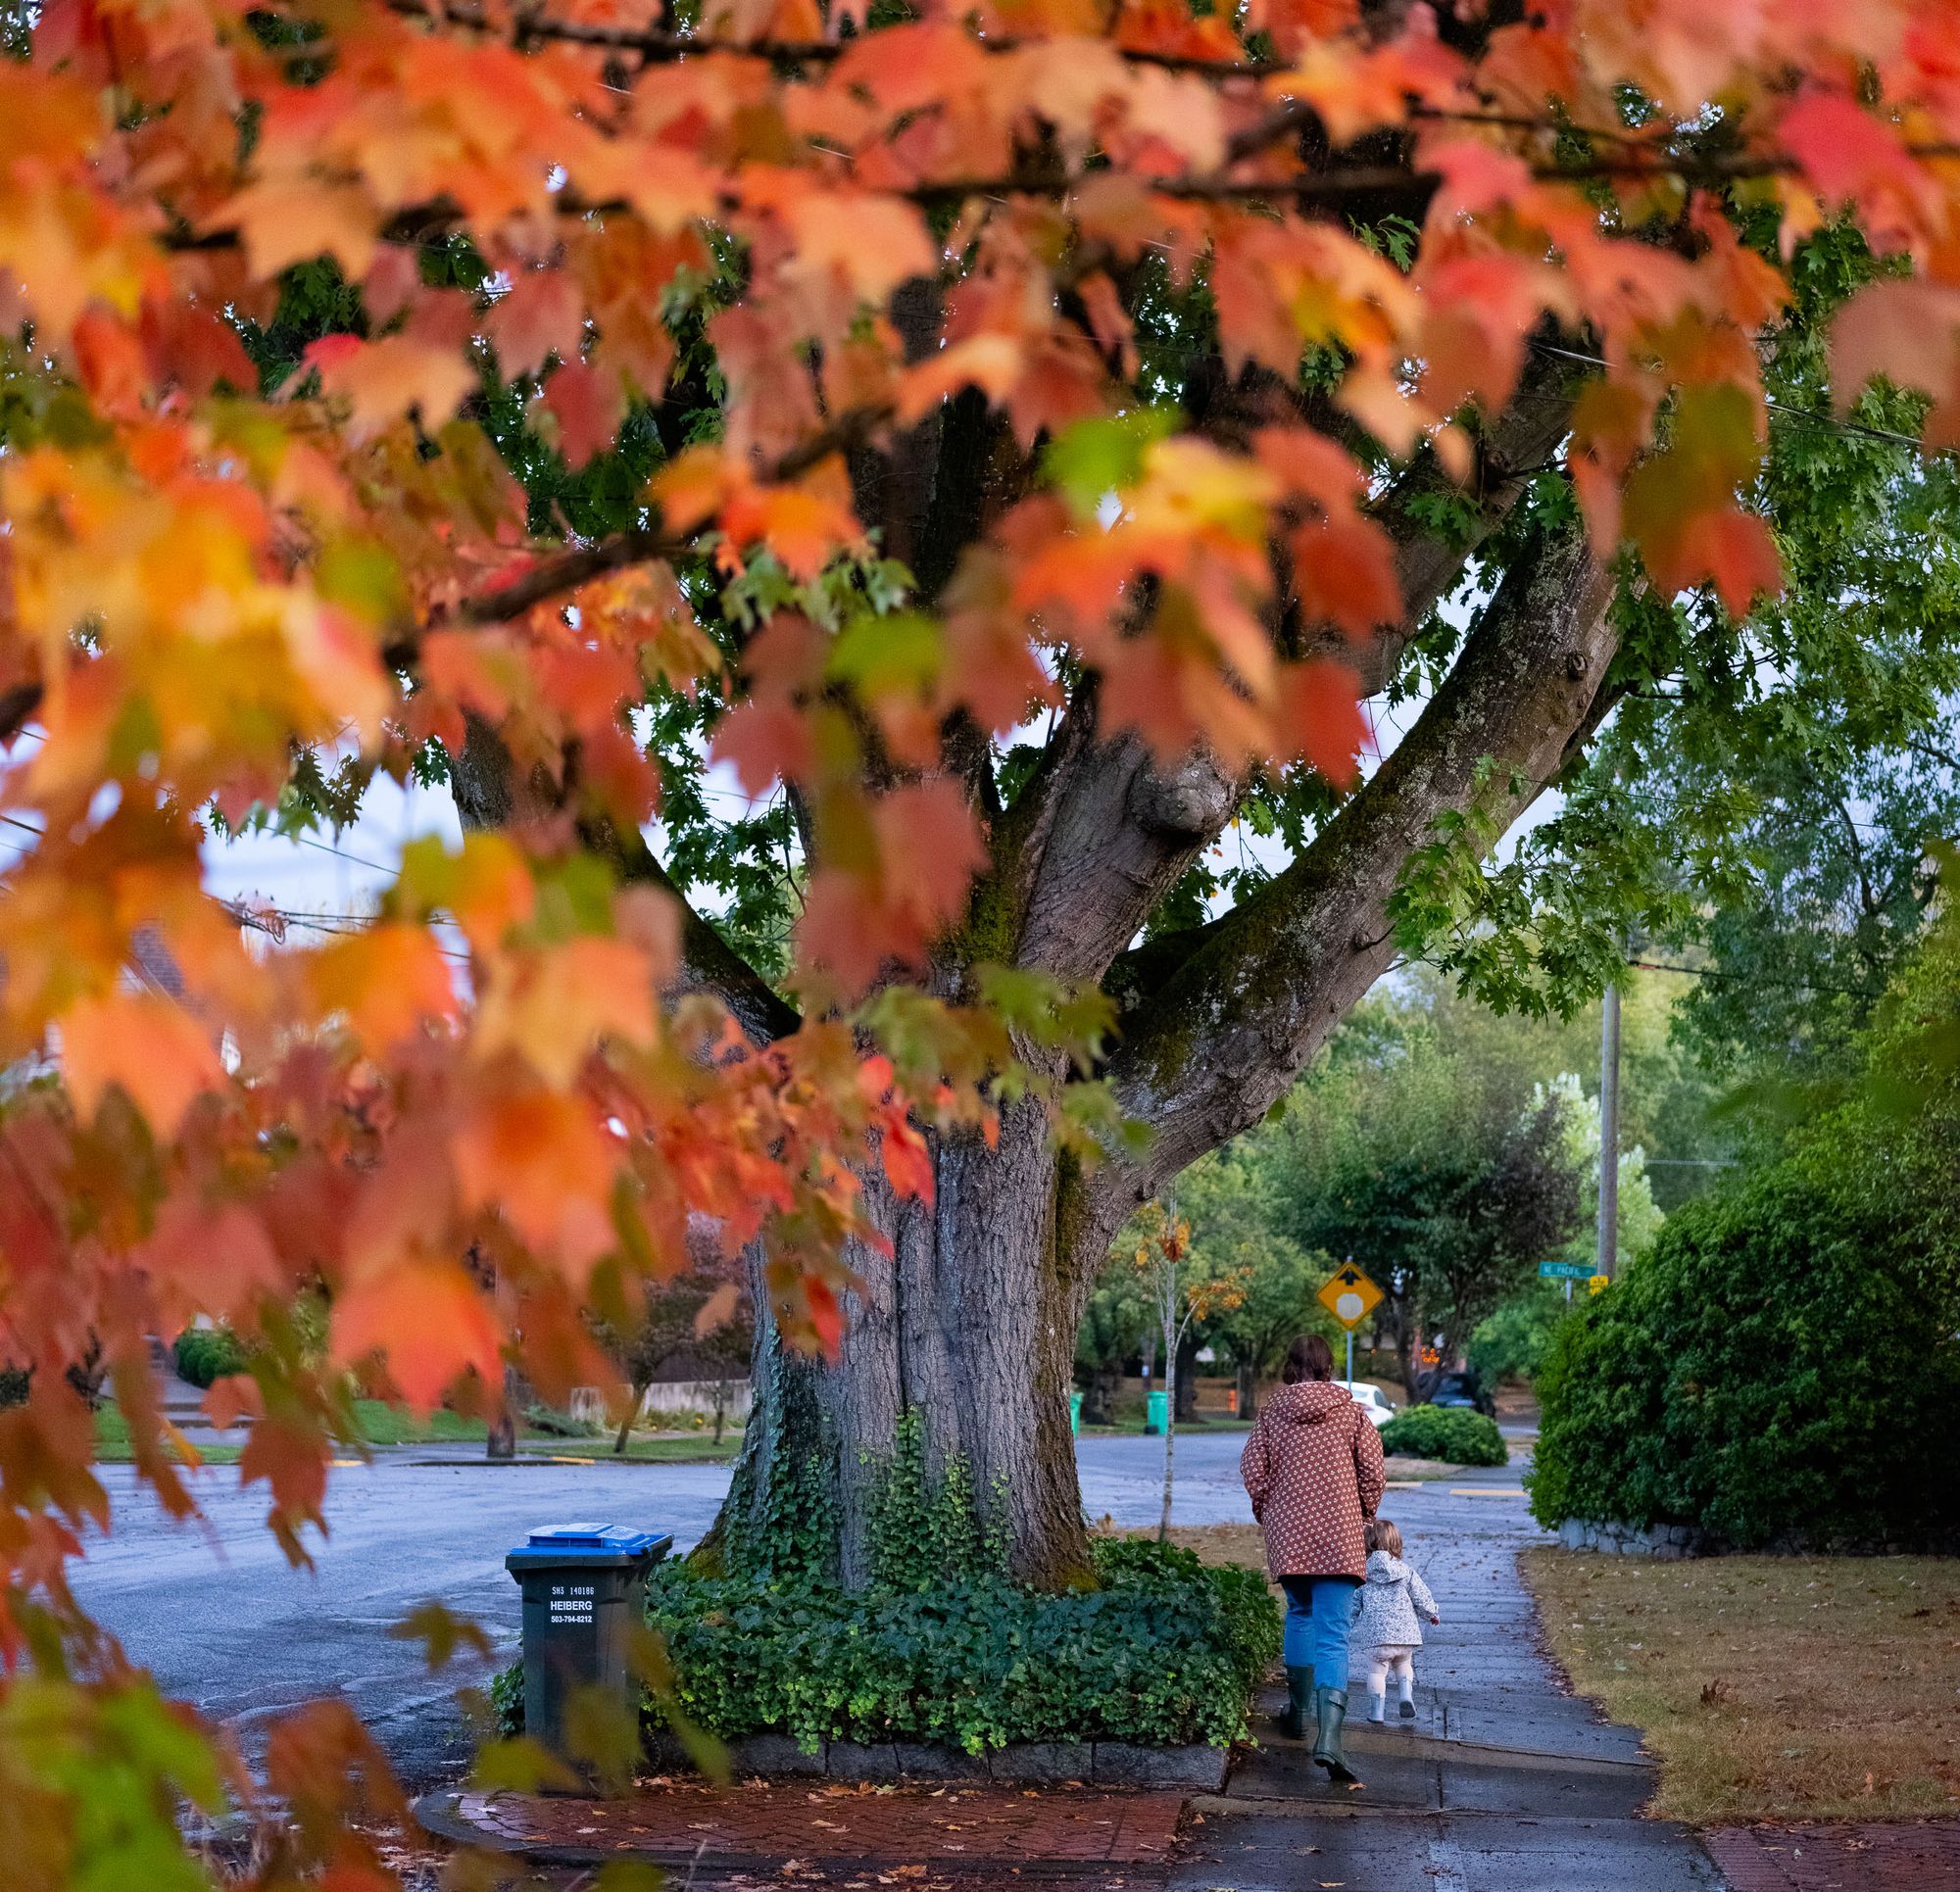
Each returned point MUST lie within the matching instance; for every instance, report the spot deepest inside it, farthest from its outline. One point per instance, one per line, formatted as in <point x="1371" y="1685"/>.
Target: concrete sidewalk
<point x="1505" y="1783"/>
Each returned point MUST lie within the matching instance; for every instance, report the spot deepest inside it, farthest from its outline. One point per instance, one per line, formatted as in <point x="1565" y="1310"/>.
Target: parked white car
<point x="1370" y="1400"/>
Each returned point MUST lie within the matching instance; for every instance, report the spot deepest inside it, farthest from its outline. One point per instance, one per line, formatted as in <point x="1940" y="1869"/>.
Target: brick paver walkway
<point x="1895" y="1858"/>
<point x="948" y="1830"/>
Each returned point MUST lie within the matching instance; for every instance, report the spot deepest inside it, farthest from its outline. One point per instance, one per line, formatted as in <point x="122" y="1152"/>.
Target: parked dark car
<point x="1462" y="1389"/>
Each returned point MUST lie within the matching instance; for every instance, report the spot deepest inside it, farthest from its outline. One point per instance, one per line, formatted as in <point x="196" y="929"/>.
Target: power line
<point x="306" y="840"/>
<point x="1756" y="979"/>
<point x="1831" y="422"/>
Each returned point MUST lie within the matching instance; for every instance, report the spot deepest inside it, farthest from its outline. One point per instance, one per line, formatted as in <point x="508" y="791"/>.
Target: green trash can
<point x="1156" y="1418"/>
<point x="1075" y="1412"/>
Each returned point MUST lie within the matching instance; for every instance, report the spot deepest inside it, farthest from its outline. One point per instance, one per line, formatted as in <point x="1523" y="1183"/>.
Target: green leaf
<point x="1093" y="458"/>
<point x="896" y="654"/>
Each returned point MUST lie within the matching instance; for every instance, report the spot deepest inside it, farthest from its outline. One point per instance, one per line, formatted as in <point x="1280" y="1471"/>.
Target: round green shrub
<point x="1780" y="1367"/>
<point x="205" y="1354"/>
<point x="1452" y="1433"/>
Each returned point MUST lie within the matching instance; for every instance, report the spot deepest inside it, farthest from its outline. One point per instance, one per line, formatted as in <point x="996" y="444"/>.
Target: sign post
<point x="1351" y="1297"/>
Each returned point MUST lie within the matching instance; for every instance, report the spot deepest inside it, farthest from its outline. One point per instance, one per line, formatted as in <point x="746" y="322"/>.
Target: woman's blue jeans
<point x="1319" y="1611"/>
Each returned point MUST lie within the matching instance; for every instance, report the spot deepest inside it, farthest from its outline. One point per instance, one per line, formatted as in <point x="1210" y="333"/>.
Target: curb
<point x="550" y="1459"/>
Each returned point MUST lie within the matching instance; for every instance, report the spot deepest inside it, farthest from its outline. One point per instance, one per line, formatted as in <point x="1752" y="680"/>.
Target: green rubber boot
<point x="1297" y="1717"/>
<point x="1332" y="1706"/>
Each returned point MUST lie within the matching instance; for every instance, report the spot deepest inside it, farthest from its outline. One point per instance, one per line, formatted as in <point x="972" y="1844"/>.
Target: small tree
<point x="705" y="1319"/>
<point x="1180" y="1295"/>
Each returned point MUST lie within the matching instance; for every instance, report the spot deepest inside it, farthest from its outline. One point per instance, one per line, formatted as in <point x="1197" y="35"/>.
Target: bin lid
<point x="586" y="1544"/>
<point x="588" y="1537"/>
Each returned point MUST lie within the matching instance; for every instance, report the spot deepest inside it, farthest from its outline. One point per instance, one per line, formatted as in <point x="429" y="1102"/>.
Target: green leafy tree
<point x="1776" y="1367"/>
<point x="1765" y="793"/>
<point x="1232" y="1202"/>
<point x="1443" y="1183"/>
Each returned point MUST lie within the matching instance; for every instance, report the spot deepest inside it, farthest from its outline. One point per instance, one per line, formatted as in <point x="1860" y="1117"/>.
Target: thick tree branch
<point x="708" y="963"/>
<point x="1105" y="834"/>
<point x="1218" y="1043"/>
<point x="489" y="795"/>
<point x="1427" y="562"/>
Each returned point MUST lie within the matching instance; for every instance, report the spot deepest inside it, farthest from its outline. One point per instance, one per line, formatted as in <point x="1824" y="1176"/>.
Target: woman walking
<point x="1313" y="1471"/>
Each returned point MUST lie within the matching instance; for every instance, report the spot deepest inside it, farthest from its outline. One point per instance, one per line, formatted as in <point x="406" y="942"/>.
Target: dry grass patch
<point x="1770" y="1687"/>
<point x="1219" y="1543"/>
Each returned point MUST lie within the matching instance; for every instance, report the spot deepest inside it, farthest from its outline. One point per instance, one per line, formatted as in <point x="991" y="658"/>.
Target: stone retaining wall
<point x="1102" y="1764"/>
<point x="1667" y="1543"/>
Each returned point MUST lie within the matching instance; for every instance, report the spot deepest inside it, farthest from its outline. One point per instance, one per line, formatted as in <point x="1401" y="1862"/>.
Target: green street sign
<point x="1566" y="1270"/>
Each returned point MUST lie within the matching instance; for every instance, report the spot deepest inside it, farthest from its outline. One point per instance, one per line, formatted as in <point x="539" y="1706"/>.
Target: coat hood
<point x="1384" y="1569"/>
<point x="1308" y="1401"/>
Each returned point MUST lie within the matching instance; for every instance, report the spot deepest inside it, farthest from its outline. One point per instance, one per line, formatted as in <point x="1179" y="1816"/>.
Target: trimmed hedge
<point x="205" y="1354"/>
<point x="1780" y="1369"/>
<point x="1166" y="1651"/>
<point x="1452" y="1433"/>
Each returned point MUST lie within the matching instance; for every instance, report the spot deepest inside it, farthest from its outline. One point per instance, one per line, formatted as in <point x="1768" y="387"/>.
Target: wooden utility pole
<point x="1609" y="1131"/>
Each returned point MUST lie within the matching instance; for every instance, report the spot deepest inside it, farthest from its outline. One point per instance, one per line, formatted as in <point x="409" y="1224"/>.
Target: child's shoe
<point x="1377" y="1706"/>
<point x="1408" y="1710"/>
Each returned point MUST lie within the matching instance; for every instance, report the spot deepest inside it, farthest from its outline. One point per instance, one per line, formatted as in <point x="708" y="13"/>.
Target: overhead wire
<point x="1859" y="428"/>
<point x="1753" y="979"/>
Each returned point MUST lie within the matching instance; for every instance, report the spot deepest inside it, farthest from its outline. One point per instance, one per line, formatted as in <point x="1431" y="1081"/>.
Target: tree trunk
<point x="1409" y="1341"/>
<point x="1098" y="1404"/>
<point x="501" y="1441"/>
<point x="1185" y="1399"/>
<point x="970" y="1326"/>
<point x="970" y="1323"/>
<point x="639" y="1394"/>
<point x="1248" y="1389"/>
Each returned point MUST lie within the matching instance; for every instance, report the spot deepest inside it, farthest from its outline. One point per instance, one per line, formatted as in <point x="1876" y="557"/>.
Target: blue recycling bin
<point x="1075" y="1412"/>
<point x="1157" y="1413"/>
<point x="585" y="1587"/>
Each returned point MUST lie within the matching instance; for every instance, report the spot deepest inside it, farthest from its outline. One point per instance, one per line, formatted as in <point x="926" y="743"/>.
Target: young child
<point x="1385" y="1618"/>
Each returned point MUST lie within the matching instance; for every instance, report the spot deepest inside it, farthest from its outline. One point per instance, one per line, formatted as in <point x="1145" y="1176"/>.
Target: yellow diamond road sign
<point x="1350" y="1296"/>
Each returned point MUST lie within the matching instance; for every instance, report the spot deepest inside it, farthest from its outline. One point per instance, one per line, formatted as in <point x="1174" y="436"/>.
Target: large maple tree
<point x="1015" y="435"/>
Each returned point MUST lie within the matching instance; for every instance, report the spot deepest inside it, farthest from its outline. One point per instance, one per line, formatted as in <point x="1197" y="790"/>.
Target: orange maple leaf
<point x="144" y="1044"/>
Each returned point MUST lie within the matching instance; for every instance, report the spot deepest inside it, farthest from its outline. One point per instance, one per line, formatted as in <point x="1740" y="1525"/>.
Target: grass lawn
<point x="1771" y="1687"/>
<point x="669" y="1448"/>
<point x="112" y="1443"/>
<point x="384" y="1425"/>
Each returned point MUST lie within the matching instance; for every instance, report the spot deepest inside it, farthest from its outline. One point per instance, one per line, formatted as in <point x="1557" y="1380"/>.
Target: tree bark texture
<point x="970" y="1326"/>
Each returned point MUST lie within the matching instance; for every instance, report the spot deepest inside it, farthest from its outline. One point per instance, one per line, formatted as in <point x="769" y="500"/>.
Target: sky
<point x="323" y="877"/>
